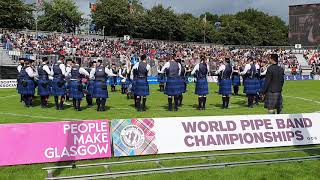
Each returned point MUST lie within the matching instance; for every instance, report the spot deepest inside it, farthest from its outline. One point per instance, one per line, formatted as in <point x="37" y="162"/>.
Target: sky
<point x="197" y="7"/>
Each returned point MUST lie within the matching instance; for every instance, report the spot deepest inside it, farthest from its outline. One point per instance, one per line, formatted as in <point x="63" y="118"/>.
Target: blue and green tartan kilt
<point x="90" y="87"/>
<point x="236" y="81"/>
<point x="201" y="87"/>
<point x="112" y="81"/>
<point x="100" y="89"/>
<point x="141" y="87"/>
<point x="76" y="90"/>
<point x="225" y="87"/>
<point x="174" y="86"/>
<point x="261" y="83"/>
<point x="19" y="86"/>
<point x="251" y="86"/>
<point x="184" y="84"/>
<point x="44" y="87"/>
<point x="27" y="87"/>
<point x="161" y="78"/>
<point x="58" y="87"/>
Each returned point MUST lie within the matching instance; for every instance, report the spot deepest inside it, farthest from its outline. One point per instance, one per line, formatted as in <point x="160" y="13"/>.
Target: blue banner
<point x="298" y="77"/>
<point x="191" y="79"/>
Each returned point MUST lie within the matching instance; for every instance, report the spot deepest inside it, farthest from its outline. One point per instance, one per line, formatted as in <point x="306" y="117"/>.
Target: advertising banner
<point x="54" y="141"/>
<point x="8" y="83"/>
<point x="133" y="137"/>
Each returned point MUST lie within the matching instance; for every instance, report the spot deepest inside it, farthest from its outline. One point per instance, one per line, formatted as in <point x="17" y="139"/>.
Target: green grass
<point x="299" y="97"/>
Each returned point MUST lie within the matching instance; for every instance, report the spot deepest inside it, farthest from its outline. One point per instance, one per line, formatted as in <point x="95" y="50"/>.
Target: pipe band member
<point x="251" y="83"/>
<point x="28" y="75"/>
<point x="225" y="84"/>
<point x="236" y="82"/>
<point x="100" y="89"/>
<point x="200" y="71"/>
<point x="19" y="77"/>
<point x="76" y="88"/>
<point x="173" y="87"/>
<point x="123" y="74"/>
<point x="161" y="77"/>
<point x="69" y="65"/>
<point x="272" y="88"/>
<point x="44" y="84"/>
<point x="113" y="79"/>
<point x="139" y="74"/>
<point x="89" y="99"/>
<point x="58" y="83"/>
<point x="183" y="81"/>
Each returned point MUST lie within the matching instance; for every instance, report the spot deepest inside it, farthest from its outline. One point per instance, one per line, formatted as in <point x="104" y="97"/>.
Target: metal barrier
<point x="162" y="169"/>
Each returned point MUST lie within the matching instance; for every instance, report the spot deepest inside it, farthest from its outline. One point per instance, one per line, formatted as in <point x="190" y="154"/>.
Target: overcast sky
<point x="196" y="7"/>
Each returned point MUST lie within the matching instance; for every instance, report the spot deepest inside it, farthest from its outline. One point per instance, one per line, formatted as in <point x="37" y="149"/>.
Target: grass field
<point x="299" y="97"/>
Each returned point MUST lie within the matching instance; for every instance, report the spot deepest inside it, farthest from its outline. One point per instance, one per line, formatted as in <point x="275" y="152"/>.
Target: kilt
<point x="76" y="90"/>
<point x="236" y="81"/>
<point x="261" y="83"/>
<point x="184" y="84"/>
<point x="251" y="86"/>
<point x="141" y="87"/>
<point x="90" y="87"/>
<point x="225" y="87"/>
<point x="161" y="78"/>
<point x="19" y="86"/>
<point x="113" y="81"/>
<point x="202" y="87"/>
<point x="100" y="89"/>
<point x="58" y="87"/>
<point x="174" y="86"/>
<point x="44" y="87"/>
<point x="273" y="101"/>
<point x="27" y="87"/>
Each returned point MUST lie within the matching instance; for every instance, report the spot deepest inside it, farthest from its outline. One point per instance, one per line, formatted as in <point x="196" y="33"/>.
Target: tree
<point x="116" y="17"/>
<point x="60" y="15"/>
<point x="15" y="14"/>
<point x="163" y="23"/>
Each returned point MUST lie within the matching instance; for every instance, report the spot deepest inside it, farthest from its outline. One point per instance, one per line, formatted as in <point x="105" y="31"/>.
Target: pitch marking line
<point x="42" y="117"/>
<point x="3" y="97"/>
<point x="305" y="99"/>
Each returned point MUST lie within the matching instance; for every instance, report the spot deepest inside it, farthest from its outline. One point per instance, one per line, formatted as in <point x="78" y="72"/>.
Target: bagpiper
<point x="58" y="83"/>
<point x="19" y="79"/>
<point x="139" y="75"/>
<point x="76" y="88"/>
<point x="173" y="87"/>
<point x="44" y="84"/>
<point x="200" y="71"/>
<point x="28" y="74"/>
<point x="225" y="83"/>
<point x="251" y="83"/>
<point x="100" y="89"/>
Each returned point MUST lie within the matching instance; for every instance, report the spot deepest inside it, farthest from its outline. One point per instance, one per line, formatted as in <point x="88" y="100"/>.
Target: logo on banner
<point x="132" y="137"/>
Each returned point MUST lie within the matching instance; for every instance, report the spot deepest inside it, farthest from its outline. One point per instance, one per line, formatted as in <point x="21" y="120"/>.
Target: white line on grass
<point x="42" y="117"/>
<point x="305" y="99"/>
<point x="2" y="97"/>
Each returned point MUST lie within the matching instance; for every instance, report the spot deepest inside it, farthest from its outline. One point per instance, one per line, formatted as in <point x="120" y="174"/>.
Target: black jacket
<point x="274" y="79"/>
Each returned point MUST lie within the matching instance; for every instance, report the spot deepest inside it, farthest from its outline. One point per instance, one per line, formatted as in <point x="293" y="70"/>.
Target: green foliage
<point x="249" y="27"/>
<point x="15" y="14"/>
<point x="60" y="15"/>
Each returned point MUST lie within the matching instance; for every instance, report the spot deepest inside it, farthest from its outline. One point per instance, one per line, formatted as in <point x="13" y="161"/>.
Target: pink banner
<point x="53" y="142"/>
